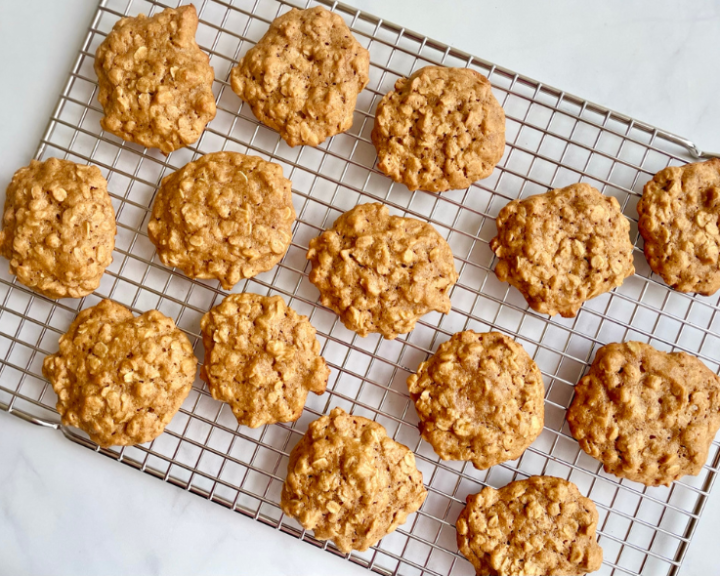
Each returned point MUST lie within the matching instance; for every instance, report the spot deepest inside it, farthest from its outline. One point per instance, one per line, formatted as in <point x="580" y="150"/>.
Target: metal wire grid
<point x="553" y="140"/>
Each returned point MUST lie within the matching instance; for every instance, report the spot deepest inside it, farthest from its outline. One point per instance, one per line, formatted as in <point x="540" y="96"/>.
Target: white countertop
<point x="66" y="510"/>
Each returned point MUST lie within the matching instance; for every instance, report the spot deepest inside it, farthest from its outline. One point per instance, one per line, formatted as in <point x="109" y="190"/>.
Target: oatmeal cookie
<point x="303" y="77"/>
<point x="440" y="129"/>
<point x="226" y="216"/>
<point x="58" y="228"/>
<point x="563" y="247"/>
<point x="155" y="82"/>
<point x="679" y="213"/>
<point x="350" y="483"/>
<point x="646" y="415"/>
<point x="380" y="273"/>
<point x="118" y="377"/>
<point x="542" y="525"/>
<point x="479" y="398"/>
<point x="262" y="358"/>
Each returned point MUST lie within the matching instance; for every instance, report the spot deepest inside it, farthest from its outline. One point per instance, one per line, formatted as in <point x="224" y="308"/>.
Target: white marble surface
<point x="65" y="510"/>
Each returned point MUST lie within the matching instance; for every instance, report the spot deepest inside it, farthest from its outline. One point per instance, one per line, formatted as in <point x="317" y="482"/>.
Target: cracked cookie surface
<point x="226" y="216"/>
<point x="440" y="129"/>
<point x="542" y="525"/>
<point x="480" y="398"/>
<point x="350" y="483"/>
<point x="647" y="415"/>
<point x="121" y="378"/>
<point x="679" y="214"/>
<point x="262" y="358"/>
<point x="563" y="247"/>
<point x="381" y="273"/>
<point x="155" y="82"/>
<point x="303" y="77"/>
<point x="58" y="228"/>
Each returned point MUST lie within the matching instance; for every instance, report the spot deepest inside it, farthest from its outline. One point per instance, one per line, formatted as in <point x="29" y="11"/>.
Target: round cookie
<point x="350" y="483"/>
<point x="479" y="398"/>
<point x="58" y="228"/>
<point x="381" y="273"/>
<point x="542" y="525"/>
<point x="646" y="415"/>
<point x="118" y="377"/>
<point x="155" y="84"/>
<point x="303" y="77"/>
<point x="226" y="216"/>
<point x="679" y="214"/>
<point x="262" y="358"/>
<point x="440" y="129"/>
<point x="563" y="247"/>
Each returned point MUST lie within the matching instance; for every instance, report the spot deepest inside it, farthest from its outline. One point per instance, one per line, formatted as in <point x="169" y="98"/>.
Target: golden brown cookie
<point x="646" y="415"/>
<point x="679" y="213"/>
<point x="118" y="377"/>
<point x="480" y="398"/>
<point x="534" y="527"/>
<point x="381" y="273"/>
<point x="58" y="228"/>
<point x="155" y="82"/>
<point x="563" y="247"/>
<point x="226" y="216"/>
<point x="440" y="129"/>
<point x="303" y="77"/>
<point x="262" y="358"/>
<point x="350" y="483"/>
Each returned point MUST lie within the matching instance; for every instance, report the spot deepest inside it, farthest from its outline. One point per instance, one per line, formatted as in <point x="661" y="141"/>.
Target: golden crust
<point x="679" y="213"/>
<point x="533" y="527"/>
<point x="646" y="415"/>
<point x="440" y="129"/>
<point x="479" y="398"/>
<point x="303" y="77"/>
<point x="226" y="216"/>
<point x="347" y="481"/>
<point x="381" y="273"/>
<point x="155" y="81"/>
<point x="262" y="358"/>
<point x="58" y="228"/>
<point x="118" y="377"/>
<point x="563" y="247"/>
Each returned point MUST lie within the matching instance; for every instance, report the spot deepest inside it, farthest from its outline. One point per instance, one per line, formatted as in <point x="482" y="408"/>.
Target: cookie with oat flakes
<point x="58" y="228"/>
<point x="304" y="76"/>
<point x="262" y="358"/>
<point x="350" y="483"/>
<point x="563" y="247"/>
<point x="542" y="525"/>
<point x="381" y="273"/>
<point x="155" y="83"/>
<point x="119" y="377"/>
<point x="226" y="216"/>
<point x="480" y="398"/>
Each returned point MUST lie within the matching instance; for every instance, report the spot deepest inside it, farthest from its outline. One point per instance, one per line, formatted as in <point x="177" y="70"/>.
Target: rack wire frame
<point x="553" y="139"/>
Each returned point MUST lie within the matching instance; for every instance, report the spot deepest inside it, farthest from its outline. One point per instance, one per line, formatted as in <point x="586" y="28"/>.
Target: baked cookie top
<point x="646" y="415"/>
<point x="679" y="213"/>
<point x="480" y="398"/>
<point x="226" y="216"/>
<point x="262" y="358"/>
<point x="58" y="228"/>
<point x="303" y="77"/>
<point x="440" y="129"/>
<point x="351" y="483"/>
<point x="155" y="82"/>
<point x="380" y="273"/>
<point x="118" y="377"/>
<point x="542" y="525"/>
<point x="563" y="247"/>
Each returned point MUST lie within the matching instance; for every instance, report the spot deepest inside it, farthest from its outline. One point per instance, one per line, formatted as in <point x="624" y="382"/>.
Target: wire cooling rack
<point x="553" y="139"/>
